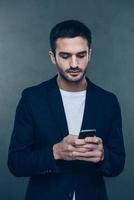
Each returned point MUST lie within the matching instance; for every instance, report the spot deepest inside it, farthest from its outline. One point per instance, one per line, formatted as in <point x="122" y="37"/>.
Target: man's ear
<point x="52" y="57"/>
<point x="89" y="54"/>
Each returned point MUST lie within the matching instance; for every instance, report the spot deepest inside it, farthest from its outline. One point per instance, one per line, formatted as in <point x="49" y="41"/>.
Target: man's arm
<point x="23" y="158"/>
<point x="114" y="151"/>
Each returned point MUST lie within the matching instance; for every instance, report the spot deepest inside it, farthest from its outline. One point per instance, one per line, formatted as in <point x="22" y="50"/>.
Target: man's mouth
<point x="74" y="72"/>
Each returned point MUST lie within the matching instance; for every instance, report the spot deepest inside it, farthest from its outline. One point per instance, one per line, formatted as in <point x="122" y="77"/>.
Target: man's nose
<point x="74" y="61"/>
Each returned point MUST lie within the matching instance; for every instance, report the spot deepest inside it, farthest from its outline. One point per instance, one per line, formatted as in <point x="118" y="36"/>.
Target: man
<point x="45" y="144"/>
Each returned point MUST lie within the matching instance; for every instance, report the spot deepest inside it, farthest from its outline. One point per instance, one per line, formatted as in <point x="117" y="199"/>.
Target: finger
<point x="70" y="148"/>
<point x="81" y="149"/>
<point x="94" y="139"/>
<point x="90" y="146"/>
<point x="68" y="156"/>
<point x="93" y="146"/>
<point x="88" y="154"/>
<point x="100" y="147"/>
<point x="70" y="139"/>
<point x="79" y="142"/>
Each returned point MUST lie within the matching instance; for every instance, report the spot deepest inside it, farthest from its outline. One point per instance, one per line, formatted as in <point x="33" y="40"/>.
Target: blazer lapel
<point x="89" y="117"/>
<point x="56" y="106"/>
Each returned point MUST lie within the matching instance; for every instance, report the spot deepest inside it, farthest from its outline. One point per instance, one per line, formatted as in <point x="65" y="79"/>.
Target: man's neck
<point x="72" y="86"/>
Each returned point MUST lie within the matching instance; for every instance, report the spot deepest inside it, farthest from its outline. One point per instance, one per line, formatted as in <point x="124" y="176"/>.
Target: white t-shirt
<point x="74" y="104"/>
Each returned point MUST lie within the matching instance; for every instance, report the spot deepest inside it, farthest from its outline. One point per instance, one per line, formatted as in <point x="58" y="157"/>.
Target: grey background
<point x="24" y="34"/>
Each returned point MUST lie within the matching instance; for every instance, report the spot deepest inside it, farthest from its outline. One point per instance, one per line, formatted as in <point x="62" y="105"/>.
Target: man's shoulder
<point x="39" y="88"/>
<point x="103" y="94"/>
<point x="99" y="90"/>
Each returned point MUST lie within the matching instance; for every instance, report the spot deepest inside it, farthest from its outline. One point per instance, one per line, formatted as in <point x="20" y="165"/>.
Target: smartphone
<point x="87" y="133"/>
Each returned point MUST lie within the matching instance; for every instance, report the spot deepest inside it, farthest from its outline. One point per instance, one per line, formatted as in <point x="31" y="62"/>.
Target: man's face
<point x="71" y="57"/>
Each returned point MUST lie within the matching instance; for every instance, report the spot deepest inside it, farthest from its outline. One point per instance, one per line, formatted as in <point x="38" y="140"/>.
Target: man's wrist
<point x="55" y="152"/>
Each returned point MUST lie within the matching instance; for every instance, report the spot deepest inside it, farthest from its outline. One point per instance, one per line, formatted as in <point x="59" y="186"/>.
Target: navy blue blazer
<point x="40" y="123"/>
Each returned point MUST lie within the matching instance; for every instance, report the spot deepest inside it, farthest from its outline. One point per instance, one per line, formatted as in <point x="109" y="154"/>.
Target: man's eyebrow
<point x="63" y="52"/>
<point x="80" y="52"/>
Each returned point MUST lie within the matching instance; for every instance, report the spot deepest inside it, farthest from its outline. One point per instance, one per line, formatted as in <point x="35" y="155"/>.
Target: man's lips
<point x="74" y="72"/>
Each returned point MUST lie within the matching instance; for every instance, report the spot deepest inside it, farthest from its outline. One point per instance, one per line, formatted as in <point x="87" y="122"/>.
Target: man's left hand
<point x="91" y="149"/>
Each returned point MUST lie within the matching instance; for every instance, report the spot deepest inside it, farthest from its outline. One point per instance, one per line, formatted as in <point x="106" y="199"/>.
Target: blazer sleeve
<point x="23" y="158"/>
<point x="114" y="151"/>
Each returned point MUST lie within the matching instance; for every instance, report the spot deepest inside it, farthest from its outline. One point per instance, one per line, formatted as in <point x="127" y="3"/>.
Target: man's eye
<point x="81" y="55"/>
<point x="65" y="56"/>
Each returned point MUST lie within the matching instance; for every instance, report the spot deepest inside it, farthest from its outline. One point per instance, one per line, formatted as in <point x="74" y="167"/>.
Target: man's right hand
<point x="64" y="149"/>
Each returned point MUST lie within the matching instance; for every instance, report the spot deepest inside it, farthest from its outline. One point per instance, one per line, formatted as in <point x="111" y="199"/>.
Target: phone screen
<point x="87" y="133"/>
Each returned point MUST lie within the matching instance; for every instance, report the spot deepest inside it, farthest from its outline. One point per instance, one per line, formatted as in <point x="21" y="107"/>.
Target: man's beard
<point x="68" y="79"/>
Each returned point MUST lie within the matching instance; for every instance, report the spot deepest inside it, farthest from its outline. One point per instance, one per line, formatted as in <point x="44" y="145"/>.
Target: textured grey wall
<point x="24" y="33"/>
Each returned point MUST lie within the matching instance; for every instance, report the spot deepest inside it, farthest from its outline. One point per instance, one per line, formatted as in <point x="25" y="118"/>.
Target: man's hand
<point x="64" y="150"/>
<point x="72" y="148"/>
<point x="94" y="151"/>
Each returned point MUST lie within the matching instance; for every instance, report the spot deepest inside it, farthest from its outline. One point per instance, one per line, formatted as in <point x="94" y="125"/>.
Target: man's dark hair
<point x="69" y="29"/>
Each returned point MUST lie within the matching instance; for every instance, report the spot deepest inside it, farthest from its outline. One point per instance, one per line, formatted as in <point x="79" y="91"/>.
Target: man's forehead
<point x="71" y="41"/>
<point x="71" y="45"/>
